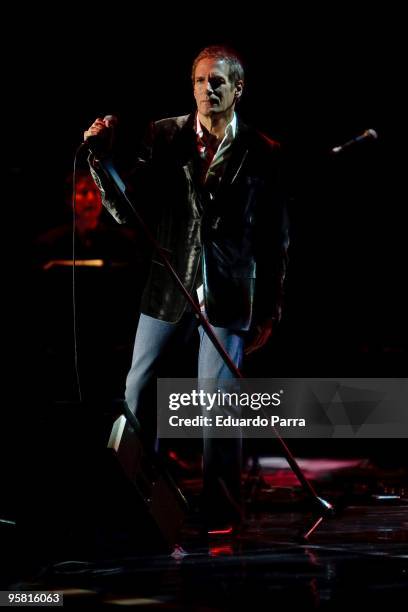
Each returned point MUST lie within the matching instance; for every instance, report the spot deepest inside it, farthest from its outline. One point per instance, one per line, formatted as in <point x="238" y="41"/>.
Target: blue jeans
<point x="221" y="457"/>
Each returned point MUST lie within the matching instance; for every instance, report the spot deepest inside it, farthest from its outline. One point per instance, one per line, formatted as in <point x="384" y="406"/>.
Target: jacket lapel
<point x="239" y="154"/>
<point x="188" y="154"/>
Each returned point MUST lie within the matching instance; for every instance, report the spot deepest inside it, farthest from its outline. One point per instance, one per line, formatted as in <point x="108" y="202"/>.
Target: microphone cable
<point x="74" y="309"/>
<point x="80" y="148"/>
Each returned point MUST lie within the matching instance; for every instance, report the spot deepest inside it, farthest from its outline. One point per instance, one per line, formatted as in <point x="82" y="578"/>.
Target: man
<point x="214" y="185"/>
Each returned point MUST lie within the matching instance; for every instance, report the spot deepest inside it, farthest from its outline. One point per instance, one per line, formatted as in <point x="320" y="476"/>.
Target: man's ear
<point x="239" y="86"/>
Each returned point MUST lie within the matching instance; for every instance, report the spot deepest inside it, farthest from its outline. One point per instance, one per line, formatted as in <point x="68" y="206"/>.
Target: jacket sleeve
<point x="136" y="179"/>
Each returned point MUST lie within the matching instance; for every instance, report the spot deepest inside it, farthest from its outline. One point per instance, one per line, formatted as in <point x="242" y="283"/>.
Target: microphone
<point x="367" y="135"/>
<point x="111" y="121"/>
<point x="100" y="143"/>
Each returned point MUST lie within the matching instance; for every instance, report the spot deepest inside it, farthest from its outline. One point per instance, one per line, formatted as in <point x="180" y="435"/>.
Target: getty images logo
<point x="204" y="399"/>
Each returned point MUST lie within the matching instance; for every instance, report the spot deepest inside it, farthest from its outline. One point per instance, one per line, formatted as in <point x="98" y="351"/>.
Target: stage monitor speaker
<point x="88" y="501"/>
<point x="165" y="506"/>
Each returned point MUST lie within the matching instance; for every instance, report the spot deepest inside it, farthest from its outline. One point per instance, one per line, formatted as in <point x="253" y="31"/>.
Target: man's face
<point x="88" y="202"/>
<point x="213" y="90"/>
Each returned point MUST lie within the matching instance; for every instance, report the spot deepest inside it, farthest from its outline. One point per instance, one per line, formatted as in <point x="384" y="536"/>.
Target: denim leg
<point x="210" y="362"/>
<point x="153" y="338"/>
<point x="222" y="457"/>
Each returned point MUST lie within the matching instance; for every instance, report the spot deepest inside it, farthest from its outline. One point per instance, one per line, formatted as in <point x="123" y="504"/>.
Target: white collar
<point x="230" y="129"/>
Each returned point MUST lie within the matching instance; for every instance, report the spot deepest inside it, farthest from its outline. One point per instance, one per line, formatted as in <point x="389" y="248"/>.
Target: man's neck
<point x="216" y="124"/>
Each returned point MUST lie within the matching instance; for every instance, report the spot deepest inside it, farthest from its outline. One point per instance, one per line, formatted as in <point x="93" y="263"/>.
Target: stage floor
<point x="359" y="557"/>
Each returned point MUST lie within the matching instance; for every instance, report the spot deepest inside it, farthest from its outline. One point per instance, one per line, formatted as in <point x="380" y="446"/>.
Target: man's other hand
<point x="260" y="336"/>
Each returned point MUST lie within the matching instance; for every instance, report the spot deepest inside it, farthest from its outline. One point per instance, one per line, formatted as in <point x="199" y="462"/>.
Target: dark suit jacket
<point x="233" y="240"/>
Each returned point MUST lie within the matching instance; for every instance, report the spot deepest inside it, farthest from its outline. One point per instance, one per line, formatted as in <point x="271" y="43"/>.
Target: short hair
<point x="226" y="54"/>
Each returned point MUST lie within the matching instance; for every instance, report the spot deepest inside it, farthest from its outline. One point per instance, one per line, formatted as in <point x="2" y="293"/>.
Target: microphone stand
<point x="322" y="507"/>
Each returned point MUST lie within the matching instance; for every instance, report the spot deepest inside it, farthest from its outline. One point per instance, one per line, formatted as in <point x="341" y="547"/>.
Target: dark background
<point x="312" y="81"/>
